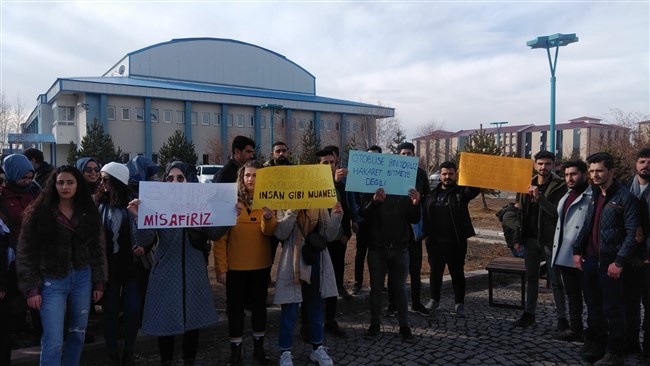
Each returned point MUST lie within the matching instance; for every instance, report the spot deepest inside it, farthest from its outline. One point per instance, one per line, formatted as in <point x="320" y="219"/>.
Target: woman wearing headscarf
<point x="19" y="192"/>
<point x="60" y="261"/>
<point x="124" y="266"/>
<point x="5" y="294"/>
<point x="296" y="277"/>
<point x="242" y="260"/>
<point x="179" y="297"/>
<point x="90" y="168"/>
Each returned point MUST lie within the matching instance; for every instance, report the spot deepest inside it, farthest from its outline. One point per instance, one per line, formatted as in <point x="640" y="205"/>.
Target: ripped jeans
<point x="70" y="295"/>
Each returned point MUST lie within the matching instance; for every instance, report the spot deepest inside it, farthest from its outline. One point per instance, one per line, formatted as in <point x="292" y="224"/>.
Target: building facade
<point x="580" y="137"/>
<point x="210" y="89"/>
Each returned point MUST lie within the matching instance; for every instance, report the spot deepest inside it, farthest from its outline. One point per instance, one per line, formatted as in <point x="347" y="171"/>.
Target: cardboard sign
<point x="167" y="205"/>
<point x="367" y="172"/>
<point x="294" y="187"/>
<point x="495" y="172"/>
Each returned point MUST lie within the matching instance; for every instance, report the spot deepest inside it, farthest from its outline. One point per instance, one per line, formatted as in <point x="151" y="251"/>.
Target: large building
<point x="210" y="89"/>
<point x="577" y="138"/>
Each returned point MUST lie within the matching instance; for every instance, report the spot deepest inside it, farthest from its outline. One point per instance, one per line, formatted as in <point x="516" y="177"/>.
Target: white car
<point x="435" y="176"/>
<point x="205" y="173"/>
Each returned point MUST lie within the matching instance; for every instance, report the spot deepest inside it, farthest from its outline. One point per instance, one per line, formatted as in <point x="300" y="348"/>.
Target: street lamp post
<point x="272" y="108"/>
<point x="548" y="42"/>
<point x="498" y="124"/>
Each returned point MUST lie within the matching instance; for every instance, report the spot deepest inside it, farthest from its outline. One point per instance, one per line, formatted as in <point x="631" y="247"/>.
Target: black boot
<point x="235" y="354"/>
<point x="127" y="359"/>
<point x="258" y="351"/>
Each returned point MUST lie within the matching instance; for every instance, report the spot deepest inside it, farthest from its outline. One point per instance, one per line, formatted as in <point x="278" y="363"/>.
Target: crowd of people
<point x="71" y="240"/>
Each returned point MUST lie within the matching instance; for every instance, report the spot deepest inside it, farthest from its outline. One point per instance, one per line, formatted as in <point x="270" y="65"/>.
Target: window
<point x="251" y="121"/>
<point x="154" y="158"/>
<point x="167" y="116"/>
<point x="217" y="119"/>
<point x="240" y="120"/>
<point x="126" y="157"/>
<point x="301" y="124"/>
<point x="329" y="125"/>
<point x="206" y="159"/>
<point x="281" y="122"/>
<point x="362" y="127"/>
<point x="263" y="122"/>
<point x="195" y="117"/>
<point x="311" y="124"/>
<point x="66" y="114"/>
<point x="205" y="118"/>
<point x="126" y="114"/>
<point x="337" y="126"/>
<point x="139" y="114"/>
<point x="180" y="117"/>
<point x="110" y="113"/>
<point x="230" y="120"/>
<point x="154" y="115"/>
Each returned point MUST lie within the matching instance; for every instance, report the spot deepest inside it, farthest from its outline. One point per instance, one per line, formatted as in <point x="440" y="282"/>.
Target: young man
<point x="538" y="216"/>
<point x="571" y="210"/>
<point x="243" y="150"/>
<point x="447" y="225"/>
<point x="42" y="169"/>
<point x="603" y="249"/>
<point x="279" y="155"/>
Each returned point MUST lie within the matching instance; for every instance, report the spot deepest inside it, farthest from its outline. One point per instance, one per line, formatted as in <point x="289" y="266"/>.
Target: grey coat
<point x="179" y="296"/>
<point x="566" y="235"/>
<point x="287" y="287"/>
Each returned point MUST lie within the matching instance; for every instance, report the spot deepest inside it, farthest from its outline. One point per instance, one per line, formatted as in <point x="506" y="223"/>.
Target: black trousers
<point x="190" y="346"/>
<point x="242" y="286"/>
<point x="363" y="235"/>
<point x="451" y="255"/>
<point x="572" y="278"/>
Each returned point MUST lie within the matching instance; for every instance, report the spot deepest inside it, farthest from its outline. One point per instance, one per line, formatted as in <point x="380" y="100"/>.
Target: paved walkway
<point x="485" y="337"/>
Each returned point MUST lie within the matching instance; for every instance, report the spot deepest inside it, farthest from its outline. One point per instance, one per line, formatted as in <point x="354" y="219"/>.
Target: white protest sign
<point x="167" y="205"/>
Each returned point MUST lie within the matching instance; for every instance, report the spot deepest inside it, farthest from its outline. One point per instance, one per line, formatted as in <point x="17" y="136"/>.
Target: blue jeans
<point x="605" y="301"/>
<point x="395" y="263"/>
<point x="71" y="294"/>
<point x="112" y="300"/>
<point x="311" y="294"/>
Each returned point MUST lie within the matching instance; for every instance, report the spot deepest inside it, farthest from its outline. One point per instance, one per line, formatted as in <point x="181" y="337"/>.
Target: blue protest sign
<point x="396" y="174"/>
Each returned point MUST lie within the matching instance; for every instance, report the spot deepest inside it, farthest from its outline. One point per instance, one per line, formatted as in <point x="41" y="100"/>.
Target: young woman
<point x="243" y="263"/>
<point x="179" y="296"/>
<point x="90" y="168"/>
<point x="5" y="295"/>
<point x="61" y="260"/>
<point x="317" y="280"/>
<point x="124" y="268"/>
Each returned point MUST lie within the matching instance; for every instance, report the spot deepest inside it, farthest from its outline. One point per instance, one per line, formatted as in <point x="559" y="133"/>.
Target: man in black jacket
<point x="447" y="225"/>
<point x="603" y="249"/>
<point x="243" y="150"/>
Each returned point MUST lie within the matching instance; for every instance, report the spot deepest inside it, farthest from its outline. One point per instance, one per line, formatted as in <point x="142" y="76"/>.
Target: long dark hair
<point x="44" y="208"/>
<point x="119" y="195"/>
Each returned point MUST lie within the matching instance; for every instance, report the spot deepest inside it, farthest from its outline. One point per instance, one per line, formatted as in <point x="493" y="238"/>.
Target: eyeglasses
<point x="178" y="178"/>
<point x="281" y="151"/>
<point x="90" y="170"/>
<point x="106" y="179"/>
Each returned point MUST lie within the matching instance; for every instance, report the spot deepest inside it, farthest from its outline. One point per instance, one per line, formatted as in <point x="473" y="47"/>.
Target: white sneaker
<point x="432" y="305"/>
<point x="286" y="359"/>
<point x="320" y="355"/>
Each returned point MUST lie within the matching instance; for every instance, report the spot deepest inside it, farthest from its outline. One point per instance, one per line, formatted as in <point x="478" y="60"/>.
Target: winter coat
<point x="390" y="221"/>
<point x="643" y="252"/>
<point x="568" y="228"/>
<point x="457" y="202"/>
<point x="618" y="223"/>
<point x="292" y="267"/>
<point x="508" y="215"/>
<point x="51" y="254"/>
<point x="179" y="296"/>
<point x="547" y="217"/>
<point x="227" y="174"/>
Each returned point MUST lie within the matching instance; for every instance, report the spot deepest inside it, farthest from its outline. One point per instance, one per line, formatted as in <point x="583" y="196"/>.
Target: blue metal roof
<point x="217" y="89"/>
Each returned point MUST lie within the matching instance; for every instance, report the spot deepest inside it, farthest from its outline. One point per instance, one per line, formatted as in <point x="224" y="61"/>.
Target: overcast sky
<point x="461" y="63"/>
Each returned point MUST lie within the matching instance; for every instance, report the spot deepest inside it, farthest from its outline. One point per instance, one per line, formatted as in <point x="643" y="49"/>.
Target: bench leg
<point x="491" y="301"/>
<point x="523" y="291"/>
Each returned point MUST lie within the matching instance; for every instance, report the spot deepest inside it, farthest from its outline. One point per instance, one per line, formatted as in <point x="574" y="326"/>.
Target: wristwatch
<point x="618" y="265"/>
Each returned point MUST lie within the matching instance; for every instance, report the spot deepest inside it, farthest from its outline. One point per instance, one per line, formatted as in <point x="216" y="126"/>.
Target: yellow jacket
<point x="246" y="246"/>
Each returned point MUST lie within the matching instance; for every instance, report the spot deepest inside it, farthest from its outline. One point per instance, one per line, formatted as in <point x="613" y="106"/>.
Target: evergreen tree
<point x="482" y="142"/>
<point x="95" y="144"/>
<point x="310" y="146"/>
<point x="397" y="139"/>
<point x="177" y="147"/>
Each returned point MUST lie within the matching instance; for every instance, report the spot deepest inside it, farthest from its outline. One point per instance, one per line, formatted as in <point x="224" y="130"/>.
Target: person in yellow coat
<point x="242" y="260"/>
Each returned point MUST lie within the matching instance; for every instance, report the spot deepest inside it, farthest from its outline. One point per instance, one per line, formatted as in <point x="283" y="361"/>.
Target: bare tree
<point x="214" y="150"/>
<point x="387" y="129"/>
<point x="11" y="116"/>
<point x="429" y="128"/>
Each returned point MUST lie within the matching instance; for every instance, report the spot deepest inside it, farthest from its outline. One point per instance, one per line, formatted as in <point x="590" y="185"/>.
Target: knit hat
<point x="117" y="171"/>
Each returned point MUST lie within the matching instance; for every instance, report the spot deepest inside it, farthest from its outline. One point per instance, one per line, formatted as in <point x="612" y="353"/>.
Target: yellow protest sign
<point x="495" y="172"/>
<point x="294" y="187"/>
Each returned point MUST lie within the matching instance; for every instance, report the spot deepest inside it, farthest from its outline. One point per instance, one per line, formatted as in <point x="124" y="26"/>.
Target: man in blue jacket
<point x="603" y="249"/>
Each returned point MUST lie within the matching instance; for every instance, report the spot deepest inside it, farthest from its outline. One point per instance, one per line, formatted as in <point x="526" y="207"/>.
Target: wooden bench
<point x="508" y="265"/>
